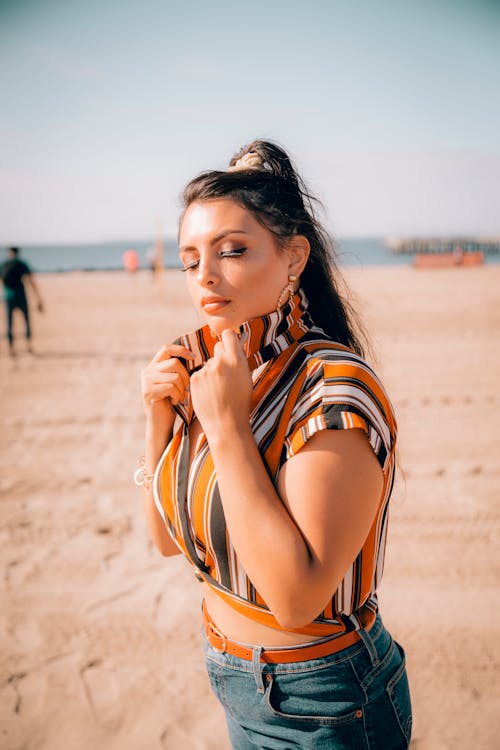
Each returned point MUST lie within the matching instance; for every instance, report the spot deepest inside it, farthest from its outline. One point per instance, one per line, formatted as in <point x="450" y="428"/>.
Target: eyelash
<point x="236" y="253"/>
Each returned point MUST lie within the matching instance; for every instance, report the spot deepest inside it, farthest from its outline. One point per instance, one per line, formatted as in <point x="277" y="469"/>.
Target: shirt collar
<point x="263" y="339"/>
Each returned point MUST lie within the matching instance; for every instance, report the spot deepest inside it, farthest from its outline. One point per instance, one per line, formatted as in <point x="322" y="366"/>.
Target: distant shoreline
<point x="108" y="256"/>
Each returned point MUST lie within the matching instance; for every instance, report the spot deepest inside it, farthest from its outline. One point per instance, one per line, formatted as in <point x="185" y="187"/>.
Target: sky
<point x="390" y="109"/>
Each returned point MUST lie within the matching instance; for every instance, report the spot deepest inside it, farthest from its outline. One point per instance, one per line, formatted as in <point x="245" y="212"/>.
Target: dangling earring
<point x="287" y="292"/>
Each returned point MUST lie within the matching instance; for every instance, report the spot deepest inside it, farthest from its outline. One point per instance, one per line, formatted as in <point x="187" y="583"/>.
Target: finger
<point x="173" y="365"/>
<point x="160" y="354"/>
<point x="232" y="344"/>
<point x="166" y="381"/>
<point x="173" y="350"/>
<point x="161" y="391"/>
<point x="219" y="349"/>
<point x="168" y="377"/>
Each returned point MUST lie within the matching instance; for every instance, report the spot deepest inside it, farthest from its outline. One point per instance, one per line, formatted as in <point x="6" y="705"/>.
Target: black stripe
<point x="218" y="537"/>
<point x="356" y="599"/>
<point x="182" y="501"/>
<point x="252" y="593"/>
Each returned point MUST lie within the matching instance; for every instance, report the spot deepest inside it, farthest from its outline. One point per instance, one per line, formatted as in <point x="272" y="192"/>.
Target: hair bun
<point x="266" y="156"/>
<point x="249" y="160"/>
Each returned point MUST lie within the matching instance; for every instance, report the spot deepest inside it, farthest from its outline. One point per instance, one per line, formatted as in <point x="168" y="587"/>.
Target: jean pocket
<point x="292" y="705"/>
<point x="399" y="695"/>
<point x="215" y="678"/>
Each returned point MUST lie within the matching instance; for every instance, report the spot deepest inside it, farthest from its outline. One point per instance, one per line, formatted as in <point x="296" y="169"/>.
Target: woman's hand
<point x="221" y="391"/>
<point x="164" y="382"/>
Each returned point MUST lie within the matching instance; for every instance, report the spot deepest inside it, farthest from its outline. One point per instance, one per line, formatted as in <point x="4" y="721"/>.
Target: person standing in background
<point x="13" y="272"/>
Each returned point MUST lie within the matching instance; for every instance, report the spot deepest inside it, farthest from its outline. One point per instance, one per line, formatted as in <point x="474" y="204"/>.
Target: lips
<point x="213" y="304"/>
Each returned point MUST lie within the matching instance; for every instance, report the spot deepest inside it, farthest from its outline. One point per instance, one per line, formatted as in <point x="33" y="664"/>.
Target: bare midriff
<point x="237" y="627"/>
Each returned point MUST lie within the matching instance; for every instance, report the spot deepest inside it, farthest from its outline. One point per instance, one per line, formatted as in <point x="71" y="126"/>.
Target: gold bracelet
<point x="143" y="478"/>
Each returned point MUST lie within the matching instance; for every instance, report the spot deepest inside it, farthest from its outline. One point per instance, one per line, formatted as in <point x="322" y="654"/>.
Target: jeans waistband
<point x="277" y="655"/>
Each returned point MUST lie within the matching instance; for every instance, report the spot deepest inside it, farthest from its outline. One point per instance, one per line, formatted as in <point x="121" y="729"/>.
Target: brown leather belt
<point x="276" y="655"/>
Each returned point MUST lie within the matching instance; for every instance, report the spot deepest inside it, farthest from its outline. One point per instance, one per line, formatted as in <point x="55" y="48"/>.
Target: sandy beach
<point x="100" y="636"/>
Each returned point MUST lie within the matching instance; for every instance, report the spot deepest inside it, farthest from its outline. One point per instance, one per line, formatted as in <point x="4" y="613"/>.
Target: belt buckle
<point x="215" y="630"/>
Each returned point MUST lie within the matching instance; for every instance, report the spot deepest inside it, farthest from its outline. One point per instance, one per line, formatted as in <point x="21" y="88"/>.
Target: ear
<point x="298" y="249"/>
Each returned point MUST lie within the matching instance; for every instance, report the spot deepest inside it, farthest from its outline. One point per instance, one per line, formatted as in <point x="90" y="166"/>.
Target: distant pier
<point x="434" y="245"/>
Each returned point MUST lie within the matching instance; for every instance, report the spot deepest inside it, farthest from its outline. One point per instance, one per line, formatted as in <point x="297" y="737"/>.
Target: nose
<point x="207" y="271"/>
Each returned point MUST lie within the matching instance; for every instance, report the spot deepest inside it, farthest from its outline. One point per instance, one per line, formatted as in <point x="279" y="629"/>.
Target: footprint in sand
<point x="13" y="680"/>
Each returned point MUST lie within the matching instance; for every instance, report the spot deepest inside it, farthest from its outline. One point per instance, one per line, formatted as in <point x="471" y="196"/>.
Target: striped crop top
<point x="303" y="382"/>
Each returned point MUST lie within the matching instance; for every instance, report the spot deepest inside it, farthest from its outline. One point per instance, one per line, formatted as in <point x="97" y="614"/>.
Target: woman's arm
<point x="297" y="549"/>
<point x="163" y="383"/>
<point x="297" y="545"/>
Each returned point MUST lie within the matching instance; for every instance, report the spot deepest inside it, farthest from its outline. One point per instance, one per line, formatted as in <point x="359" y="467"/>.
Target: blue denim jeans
<point x="356" y="699"/>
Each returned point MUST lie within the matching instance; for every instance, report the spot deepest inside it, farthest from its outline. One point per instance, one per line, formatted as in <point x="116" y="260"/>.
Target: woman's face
<point x="234" y="267"/>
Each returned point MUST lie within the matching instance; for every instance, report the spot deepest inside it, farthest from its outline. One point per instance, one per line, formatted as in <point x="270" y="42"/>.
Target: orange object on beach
<point x="130" y="260"/>
<point x="473" y="259"/>
<point x="448" y="260"/>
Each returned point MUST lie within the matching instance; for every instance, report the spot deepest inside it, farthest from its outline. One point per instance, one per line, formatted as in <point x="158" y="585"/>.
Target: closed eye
<point x="236" y="252"/>
<point x="190" y="266"/>
<point x="233" y="253"/>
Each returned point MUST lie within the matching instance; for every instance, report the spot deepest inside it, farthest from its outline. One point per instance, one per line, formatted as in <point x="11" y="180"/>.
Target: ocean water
<point x="108" y="255"/>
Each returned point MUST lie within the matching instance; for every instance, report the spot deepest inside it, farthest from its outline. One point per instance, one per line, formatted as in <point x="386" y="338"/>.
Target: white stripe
<point x="231" y="556"/>
<point x="242" y="580"/>
<point x="275" y="320"/>
<point x="382" y="540"/>
<point x="156" y="483"/>
<point x="238" y="575"/>
<point x="347" y="591"/>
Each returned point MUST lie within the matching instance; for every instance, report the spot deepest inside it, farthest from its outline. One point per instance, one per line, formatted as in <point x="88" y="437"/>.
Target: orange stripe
<point x="206" y="478"/>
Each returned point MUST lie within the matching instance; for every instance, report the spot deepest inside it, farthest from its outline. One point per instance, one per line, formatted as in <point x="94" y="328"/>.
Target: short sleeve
<point x="342" y="393"/>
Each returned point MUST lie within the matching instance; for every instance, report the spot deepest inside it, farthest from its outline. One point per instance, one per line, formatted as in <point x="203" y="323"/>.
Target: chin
<point x="218" y="326"/>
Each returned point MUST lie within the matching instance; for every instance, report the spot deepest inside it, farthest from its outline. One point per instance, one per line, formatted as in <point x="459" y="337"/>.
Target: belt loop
<point x="257" y="669"/>
<point x="370" y="646"/>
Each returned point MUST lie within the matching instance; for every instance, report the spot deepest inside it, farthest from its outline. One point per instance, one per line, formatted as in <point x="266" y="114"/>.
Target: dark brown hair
<point x="278" y="198"/>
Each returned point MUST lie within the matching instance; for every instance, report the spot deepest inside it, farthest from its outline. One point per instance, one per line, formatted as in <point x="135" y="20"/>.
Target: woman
<point x="275" y="479"/>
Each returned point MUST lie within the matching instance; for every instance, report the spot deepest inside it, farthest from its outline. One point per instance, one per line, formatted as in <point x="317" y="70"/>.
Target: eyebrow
<point x="216" y="239"/>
